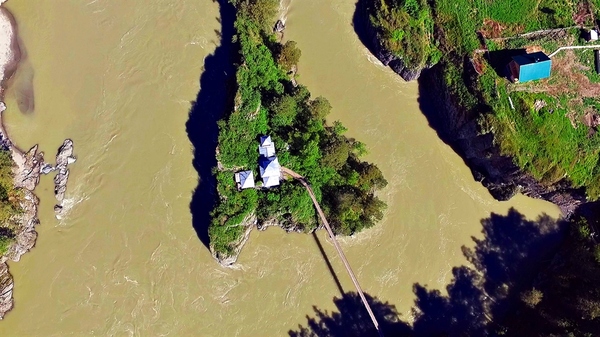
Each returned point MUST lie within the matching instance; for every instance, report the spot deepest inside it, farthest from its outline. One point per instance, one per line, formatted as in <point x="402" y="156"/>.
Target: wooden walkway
<point x="303" y="181"/>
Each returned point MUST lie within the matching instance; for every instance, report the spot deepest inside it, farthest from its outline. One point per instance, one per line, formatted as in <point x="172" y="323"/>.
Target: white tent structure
<point x="266" y="147"/>
<point x="270" y="171"/>
<point x="244" y="179"/>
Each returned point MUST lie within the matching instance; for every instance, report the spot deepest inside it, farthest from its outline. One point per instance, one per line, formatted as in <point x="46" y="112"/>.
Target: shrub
<point x="532" y="297"/>
<point x="405" y="28"/>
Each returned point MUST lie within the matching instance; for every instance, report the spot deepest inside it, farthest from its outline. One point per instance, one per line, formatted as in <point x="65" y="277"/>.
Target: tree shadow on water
<point x="362" y="26"/>
<point x="503" y="264"/>
<point x="353" y="320"/>
<point x="216" y="84"/>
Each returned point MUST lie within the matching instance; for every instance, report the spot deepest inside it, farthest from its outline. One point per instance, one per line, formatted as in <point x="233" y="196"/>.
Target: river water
<point x="117" y="77"/>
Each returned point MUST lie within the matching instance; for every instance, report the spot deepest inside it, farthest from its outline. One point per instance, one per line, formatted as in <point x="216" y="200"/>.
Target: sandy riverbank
<point x="9" y="47"/>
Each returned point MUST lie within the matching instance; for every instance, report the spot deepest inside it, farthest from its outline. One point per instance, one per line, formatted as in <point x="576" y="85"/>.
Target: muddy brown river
<point x="117" y="77"/>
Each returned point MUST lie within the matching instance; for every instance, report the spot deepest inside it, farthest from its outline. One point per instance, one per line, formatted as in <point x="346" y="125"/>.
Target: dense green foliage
<point x="405" y="28"/>
<point x="9" y="204"/>
<point x="288" y="55"/>
<point x="267" y="103"/>
<point x="550" y="142"/>
<point x="566" y="299"/>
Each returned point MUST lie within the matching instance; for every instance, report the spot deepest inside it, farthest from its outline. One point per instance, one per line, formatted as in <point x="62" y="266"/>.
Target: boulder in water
<point x="279" y="26"/>
<point x="47" y="168"/>
<point x="64" y="157"/>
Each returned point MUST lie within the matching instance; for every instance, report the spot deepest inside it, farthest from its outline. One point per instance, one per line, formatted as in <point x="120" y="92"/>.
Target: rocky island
<point x="19" y="175"/>
<point x="269" y="104"/>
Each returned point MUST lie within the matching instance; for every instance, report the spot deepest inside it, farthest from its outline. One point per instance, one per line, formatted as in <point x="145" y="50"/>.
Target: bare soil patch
<point x="583" y="15"/>
<point x="492" y="29"/>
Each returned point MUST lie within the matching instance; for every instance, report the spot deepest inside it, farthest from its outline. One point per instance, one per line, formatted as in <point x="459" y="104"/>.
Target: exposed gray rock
<point x="228" y="260"/>
<point x="6" y="289"/>
<point x="60" y="184"/>
<point x="30" y="165"/>
<point x="47" y="168"/>
<point x="65" y="151"/>
<point x="279" y="26"/>
<point x="64" y="157"/>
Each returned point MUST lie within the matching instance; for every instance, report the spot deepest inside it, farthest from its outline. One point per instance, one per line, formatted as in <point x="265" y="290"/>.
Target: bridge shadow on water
<point x="328" y="263"/>
<point x="502" y="264"/>
<point x="216" y="85"/>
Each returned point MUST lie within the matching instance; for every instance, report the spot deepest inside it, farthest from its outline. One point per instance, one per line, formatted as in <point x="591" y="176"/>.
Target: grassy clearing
<point x="462" y="19"/>
<point x="544" y="142"/>
<point x="586" y="58"/>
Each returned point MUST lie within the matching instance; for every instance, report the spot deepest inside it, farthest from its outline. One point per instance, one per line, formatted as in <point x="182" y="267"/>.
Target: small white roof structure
<point x="270" y="181"/>
<point x="593" y="35"/>
<point x="245" y="179"/>
<point x="270" y="171"/>
<point x="266" y="147"/>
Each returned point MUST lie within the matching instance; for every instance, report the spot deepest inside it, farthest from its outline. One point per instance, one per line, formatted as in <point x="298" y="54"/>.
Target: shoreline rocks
<point x="250" y="223"/>
<point x="229" y="260"/>
<point x="64" y="157"/>
<point x="368" y="36"/>
<point x="279" y="27"/>
<point x="26" y="177"/>
<point x="27" y="167"/>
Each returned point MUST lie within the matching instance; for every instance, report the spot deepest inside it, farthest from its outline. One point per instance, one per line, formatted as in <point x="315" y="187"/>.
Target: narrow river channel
<point x="117" y="77"/>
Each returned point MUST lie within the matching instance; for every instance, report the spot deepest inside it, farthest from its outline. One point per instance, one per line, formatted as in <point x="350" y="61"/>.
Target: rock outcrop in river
<point x="368" y="35"/>
<point x="64" y="157"/>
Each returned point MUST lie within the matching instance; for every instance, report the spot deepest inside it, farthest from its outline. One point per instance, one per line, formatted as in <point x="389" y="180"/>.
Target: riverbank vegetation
<point x="549" y="126"/>
<point x="9" y="202"/>
<point x="268" y="103"/>
<point x="405" y="28"/>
